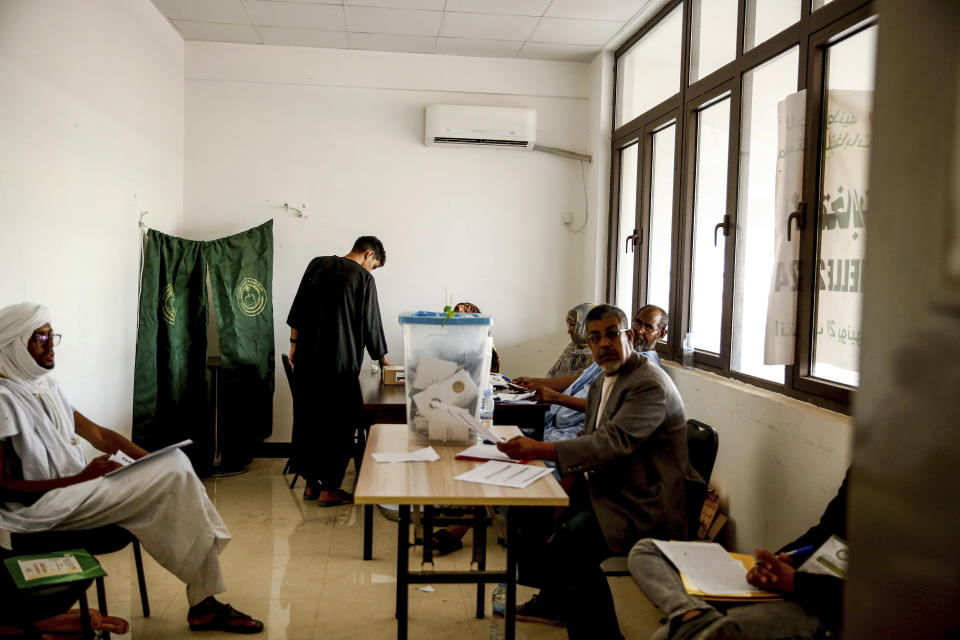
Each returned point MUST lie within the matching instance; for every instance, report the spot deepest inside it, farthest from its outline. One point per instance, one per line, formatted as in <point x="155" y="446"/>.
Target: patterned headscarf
<point x="577" y="355"/>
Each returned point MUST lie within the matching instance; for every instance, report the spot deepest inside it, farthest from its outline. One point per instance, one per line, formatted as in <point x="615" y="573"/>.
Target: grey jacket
<point x="635" y="456"/>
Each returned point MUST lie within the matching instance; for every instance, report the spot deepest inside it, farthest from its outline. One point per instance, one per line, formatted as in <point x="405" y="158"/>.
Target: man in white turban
<point x="46" y="482"/>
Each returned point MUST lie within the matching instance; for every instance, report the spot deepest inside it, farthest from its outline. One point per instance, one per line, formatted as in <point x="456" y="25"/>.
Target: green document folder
<point x="89" y="568"/>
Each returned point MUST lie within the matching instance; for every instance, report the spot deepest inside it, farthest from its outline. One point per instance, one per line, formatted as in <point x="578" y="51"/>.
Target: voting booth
<point x="447" y="360"/>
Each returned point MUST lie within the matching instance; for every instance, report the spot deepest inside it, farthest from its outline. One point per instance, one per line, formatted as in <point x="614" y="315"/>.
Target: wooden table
<point x="431" y="484"/>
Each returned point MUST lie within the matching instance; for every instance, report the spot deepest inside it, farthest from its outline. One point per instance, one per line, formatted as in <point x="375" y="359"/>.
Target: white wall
<point x="780" y="460"/>
<point x="342" y="133"/>
<point x="91" y="119"/>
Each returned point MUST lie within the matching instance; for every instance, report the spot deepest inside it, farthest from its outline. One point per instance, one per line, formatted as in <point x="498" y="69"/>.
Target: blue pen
<point x="801" y="550"/>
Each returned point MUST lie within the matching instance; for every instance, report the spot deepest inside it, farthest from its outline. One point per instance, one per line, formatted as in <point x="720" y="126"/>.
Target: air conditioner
<point x="465" y="126"/>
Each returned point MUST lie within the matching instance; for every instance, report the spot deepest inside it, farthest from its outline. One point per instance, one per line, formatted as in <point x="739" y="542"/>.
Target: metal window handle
<point x="635" y="237"/>
<point x="725" y="225"/>
<point x="800" y="215"/>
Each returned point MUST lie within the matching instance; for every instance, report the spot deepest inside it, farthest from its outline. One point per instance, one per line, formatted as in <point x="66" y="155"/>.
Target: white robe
<point x="160" y="501"/>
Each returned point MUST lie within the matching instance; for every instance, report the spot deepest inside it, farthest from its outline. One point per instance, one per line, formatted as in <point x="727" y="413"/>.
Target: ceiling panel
<point x="433" y="5"/>
<point x="617" y="10"/>
<point x="566" y="31"/>
<point x="296" y="15"/>
<point x="510" y="7"/>
<point x="304" y="37"/>
<point x="215" y="32"/>
<point x="566" y="52"/>
<point x="225" y="11"/>
<point x="487" y="26"/>
<point x="385" y="42"/>
<point x="476" y="47"/>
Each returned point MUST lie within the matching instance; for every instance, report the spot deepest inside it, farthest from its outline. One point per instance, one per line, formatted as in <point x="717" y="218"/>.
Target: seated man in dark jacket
<point x="812" y="602"/>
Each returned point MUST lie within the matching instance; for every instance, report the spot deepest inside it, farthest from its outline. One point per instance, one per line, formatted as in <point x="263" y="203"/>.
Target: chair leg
<point x="102" y="603"/>
<point x="86" y="627"/>
<point x="141" y="579"/>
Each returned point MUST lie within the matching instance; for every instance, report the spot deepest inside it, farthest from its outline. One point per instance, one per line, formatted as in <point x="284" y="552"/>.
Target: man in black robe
<point x="335" y="314"/>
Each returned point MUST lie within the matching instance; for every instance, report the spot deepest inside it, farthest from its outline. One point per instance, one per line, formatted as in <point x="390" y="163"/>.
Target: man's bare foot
<point x="211" y="615"/>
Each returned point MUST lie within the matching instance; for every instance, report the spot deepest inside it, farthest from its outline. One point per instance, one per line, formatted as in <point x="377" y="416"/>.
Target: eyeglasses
<point x="645" y="328"/>
<point x="594" y="338"/>
<point x="41" y="339"/>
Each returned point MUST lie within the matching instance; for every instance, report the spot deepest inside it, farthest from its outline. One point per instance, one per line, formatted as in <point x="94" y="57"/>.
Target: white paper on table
<point x="829" y="560"/>
<point x="46" y="567"/>
<point x="485" y="452"/>
<point x="465" y="418"/>
<point x="427" y="454"/>
<point x="708" y="566"/>
<point x="432" y="370"/>
<point x="504" y="474"/>
<point x="510" y="398"/>
<point x="459" y="390"/>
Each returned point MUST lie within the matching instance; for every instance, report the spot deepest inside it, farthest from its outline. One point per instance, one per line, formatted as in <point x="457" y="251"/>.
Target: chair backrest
<point x="288" y="370"/>
<point x="702" y="444"/>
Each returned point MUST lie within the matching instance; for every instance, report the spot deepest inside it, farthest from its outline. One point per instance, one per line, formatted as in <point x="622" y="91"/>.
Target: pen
<point x="801" y="550"/>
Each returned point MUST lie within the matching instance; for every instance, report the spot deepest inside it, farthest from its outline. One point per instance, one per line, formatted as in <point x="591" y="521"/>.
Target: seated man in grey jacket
<point x="627" y="474"/>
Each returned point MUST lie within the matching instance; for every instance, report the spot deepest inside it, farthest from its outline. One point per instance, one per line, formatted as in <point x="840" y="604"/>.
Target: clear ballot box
<point x="447" y="362"/>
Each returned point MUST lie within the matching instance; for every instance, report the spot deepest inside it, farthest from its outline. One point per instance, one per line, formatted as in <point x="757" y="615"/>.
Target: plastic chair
<point x="99" y="541"/>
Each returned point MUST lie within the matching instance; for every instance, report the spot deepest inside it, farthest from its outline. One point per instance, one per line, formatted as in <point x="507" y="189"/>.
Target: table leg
<point x="368" y="532"/>
<point x="510" y="626"/>
<point x="480" y="552"/>
<point x="403" y="577"/>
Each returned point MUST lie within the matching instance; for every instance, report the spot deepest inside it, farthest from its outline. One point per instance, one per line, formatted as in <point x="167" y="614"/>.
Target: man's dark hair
<point x="664" y="318"/>
<point x="604" y="311"/>
<point x="371" y="243"/>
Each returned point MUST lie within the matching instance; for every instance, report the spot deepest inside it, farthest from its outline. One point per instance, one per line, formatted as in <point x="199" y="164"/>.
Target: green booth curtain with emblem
<point x="169" y="387"/>
<point x="174" y="397"/>
<point x="241" y="277"/>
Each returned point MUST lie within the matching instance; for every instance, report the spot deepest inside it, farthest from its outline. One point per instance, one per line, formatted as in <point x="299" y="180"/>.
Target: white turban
<point x="17" y="324"/>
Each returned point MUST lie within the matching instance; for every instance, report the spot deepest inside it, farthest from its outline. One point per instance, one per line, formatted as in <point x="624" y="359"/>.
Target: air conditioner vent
<point x="469" y="126"/>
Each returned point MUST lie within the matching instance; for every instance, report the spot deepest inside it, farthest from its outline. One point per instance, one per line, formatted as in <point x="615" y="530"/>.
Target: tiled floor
<point x="299" y="568"/>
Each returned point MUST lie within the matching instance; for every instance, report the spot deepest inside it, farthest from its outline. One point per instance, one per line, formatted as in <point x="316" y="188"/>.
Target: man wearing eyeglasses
<point x="627" y="473"/>
<point x="47" y="484"/>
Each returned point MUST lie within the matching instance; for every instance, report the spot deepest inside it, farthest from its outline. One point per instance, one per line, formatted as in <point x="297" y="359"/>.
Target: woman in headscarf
<point x="577" y="356"/>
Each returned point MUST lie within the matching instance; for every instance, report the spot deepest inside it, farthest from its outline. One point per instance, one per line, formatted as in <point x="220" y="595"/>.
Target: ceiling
<point x="569" y="30"/>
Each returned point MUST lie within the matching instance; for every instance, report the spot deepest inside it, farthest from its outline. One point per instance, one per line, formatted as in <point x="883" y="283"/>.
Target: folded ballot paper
<point x="456" y="390"/>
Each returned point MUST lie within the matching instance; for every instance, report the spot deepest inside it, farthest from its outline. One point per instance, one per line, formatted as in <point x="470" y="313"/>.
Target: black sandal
<point x="225" y="618"/>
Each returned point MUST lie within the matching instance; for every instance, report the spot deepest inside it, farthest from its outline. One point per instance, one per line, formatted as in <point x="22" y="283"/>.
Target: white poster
<point x="782" y="307"/>
<point x="842" y="218"/>
<point x="843" y="214"/>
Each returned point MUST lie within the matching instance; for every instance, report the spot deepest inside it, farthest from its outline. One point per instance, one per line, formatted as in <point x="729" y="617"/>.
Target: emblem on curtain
<point x="168" y="307"/>
<point x="251" y="297"/>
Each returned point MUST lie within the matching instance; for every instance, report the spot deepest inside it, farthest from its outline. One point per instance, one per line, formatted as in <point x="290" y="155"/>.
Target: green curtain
<point x="169" y="387"/>
<point x="241" y="277"/>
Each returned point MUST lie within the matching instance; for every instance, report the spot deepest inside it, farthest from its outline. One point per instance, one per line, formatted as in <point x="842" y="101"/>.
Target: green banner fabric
<point x="241" y="280"/>
<point x="169" y="386"/>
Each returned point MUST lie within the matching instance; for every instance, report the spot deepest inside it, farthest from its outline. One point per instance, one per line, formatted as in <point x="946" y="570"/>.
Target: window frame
<point x="811" y="34"/>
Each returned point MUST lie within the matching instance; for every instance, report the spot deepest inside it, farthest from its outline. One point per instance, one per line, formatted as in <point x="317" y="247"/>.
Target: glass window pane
<point x="771" y="135"/>
<point x="714" y="31"/>
<point x="626" y="226"/>
<point x="848" y="111"/>
<point x="661" y="218"/>
<point x="819" y="4"/>
<point x="649" y="72"/>
<point x="709" y="207"/>
<point x="766" y="18"/>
